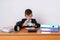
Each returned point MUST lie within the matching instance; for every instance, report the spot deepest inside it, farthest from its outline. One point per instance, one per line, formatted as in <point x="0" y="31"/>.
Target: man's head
<point x="28" y="13"/>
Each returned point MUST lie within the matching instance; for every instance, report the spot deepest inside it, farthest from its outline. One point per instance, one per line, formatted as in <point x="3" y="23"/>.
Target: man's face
<point x="29" y="17"/>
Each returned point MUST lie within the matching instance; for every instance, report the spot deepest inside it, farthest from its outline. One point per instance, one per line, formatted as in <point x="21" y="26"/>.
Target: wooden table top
<point x="24" y="32"/>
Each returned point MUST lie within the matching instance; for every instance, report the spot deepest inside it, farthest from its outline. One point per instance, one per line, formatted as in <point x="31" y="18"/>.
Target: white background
<point x="44" y="11"/>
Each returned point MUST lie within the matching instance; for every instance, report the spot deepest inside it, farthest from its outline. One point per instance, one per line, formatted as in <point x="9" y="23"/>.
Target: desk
<point x="25" y="35"/>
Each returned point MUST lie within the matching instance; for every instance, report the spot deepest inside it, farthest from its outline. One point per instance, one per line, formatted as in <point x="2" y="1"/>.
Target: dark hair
<point x="28" y="12"/>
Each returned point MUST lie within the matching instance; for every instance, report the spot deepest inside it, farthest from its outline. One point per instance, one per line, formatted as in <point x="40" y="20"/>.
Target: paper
<point x="45" y="32"/>
<point x="30" y="28"/>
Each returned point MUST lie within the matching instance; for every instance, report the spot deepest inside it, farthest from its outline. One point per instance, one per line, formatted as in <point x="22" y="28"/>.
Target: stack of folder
<point x="49" y="28"/>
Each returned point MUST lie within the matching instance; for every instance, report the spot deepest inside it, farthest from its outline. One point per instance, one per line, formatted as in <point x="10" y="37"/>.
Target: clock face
<point x="29" y="24"/>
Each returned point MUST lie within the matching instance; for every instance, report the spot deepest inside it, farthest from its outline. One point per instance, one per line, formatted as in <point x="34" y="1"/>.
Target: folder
<point x="49" y="28"/>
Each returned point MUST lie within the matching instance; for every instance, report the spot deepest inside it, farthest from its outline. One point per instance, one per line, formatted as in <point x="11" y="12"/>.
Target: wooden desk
<point x="25" y="35"/>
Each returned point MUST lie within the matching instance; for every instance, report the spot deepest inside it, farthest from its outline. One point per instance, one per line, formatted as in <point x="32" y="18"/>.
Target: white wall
<point x="45" y="11"/>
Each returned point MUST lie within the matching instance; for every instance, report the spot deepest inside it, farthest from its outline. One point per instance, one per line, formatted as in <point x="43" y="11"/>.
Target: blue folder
<point x="49" y="28"/>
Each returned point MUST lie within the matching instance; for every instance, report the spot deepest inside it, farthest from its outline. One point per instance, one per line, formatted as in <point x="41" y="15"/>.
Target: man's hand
<point x="25" y="24"/>
<point x="33" y="24"/>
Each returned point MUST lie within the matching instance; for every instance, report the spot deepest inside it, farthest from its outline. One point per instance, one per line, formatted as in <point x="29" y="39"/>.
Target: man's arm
<point x="35" y="22"/>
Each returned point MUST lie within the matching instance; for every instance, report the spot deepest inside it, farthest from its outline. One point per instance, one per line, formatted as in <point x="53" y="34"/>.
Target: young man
<point x="28" y="21"/>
